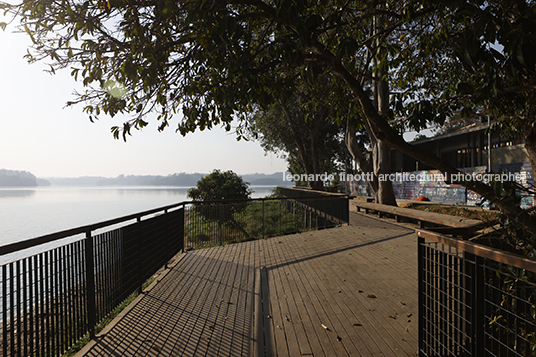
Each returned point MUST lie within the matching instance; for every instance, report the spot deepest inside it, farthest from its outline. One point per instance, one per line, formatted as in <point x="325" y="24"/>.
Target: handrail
<point x="480" y="250"/>
<point x="29" y="243"/>
<point x="32" y="242"/>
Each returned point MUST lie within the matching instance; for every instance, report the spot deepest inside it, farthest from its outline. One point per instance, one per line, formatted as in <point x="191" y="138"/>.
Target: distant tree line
<point x="17" y="178"/>
<point x="184" y="179"/>
<point x="177" y="179"/>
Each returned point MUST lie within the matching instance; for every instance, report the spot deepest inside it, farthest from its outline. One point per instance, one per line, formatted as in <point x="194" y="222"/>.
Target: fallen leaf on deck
<point x="403" y="303"/>
<point x="356" y="324"/>
<point x="392" y="317"/>
<point x="156" y="348"/>
<point x="409" y="315"/>
<point x="279" y="327"/>
<point x="371" y="296"/>
<point x="325" y="327"/>
<point x="287" y="318"/>
<point x="360" y="291"/>
<point x="339" y="338"/>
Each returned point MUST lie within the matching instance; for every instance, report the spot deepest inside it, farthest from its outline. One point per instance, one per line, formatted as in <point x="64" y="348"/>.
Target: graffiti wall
<point x="431" y="184"/>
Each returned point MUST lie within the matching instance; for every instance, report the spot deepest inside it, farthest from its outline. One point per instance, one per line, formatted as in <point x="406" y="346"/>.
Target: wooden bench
<point x="449" y="224"/>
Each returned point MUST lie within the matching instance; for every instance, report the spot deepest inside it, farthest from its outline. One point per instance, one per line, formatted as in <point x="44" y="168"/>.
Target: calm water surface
<point x="31" y="212"/>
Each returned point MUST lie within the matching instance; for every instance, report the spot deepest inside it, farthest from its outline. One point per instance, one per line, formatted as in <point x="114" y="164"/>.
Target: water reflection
<point x="16" y="192"/>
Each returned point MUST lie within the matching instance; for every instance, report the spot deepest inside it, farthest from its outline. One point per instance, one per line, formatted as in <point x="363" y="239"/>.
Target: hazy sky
<point x="39" y="135"/>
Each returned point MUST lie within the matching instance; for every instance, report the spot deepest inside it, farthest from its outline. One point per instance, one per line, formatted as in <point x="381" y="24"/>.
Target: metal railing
<point x="335" y="207"/>
<point x="51" y="297"/>
<point x="474" y="300"/>
<point x="214" y="222"/>
<point x="57" y="288"/>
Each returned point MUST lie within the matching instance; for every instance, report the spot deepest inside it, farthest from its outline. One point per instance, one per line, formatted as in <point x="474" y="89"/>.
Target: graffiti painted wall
<point x="431" y="184"/>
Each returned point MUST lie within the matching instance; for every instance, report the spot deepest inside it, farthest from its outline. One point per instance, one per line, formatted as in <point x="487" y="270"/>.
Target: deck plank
<point x="281" y="291"/>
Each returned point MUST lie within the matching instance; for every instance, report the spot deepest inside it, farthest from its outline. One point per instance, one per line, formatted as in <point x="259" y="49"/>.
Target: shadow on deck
<point x="337" y="292"/>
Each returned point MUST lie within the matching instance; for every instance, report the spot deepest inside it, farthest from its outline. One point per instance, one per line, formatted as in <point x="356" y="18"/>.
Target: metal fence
<point x="214" y="222"/>
<point x="57" y="288"/>
<point x="52" y="297"/>
<point x="335" y="207"/>
<point x="474" y="300"/>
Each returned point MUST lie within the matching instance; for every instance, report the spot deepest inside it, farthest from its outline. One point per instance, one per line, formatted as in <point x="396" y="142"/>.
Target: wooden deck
<point x="349" y="291"/>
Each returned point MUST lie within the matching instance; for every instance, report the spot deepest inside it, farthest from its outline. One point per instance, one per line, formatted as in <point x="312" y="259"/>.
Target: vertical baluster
<point x="24" y="307"/>
<point x="64" y="316"/>
<point x="18" y="308"/>
<point x="12" y="311"/>
<point x="31" y="307"/>
<point x="68" y="293"/>
<point x="4" y="310"/>
<point x="97" y="258"/>
<point x="55" y="325"/>
<point x="139" y="238"/>
<point x="80" y="290"/>
<point x="40" y="301"/>
<point x="90" y="285"/>
<point x="52" y="303"/>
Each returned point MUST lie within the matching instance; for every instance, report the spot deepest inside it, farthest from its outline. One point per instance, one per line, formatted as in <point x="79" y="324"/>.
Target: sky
<point x="38" y="134"/>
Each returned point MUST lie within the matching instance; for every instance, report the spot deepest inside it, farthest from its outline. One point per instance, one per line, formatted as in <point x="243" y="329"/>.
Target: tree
<point x="17" y="178"/>
<point x="214" y="60"/>
<point x="220" y="185"/>
<point x="302" y="126"/>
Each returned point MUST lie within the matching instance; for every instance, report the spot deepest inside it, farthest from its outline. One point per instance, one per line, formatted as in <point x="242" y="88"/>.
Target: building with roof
<point x="468" y="147"/>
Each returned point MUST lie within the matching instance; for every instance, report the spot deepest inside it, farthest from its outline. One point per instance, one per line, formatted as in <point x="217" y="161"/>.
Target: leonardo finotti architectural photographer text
<point x="458" y="178"/>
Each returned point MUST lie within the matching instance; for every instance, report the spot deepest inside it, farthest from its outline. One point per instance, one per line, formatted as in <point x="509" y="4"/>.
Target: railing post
<point x="470" y="270"/>
<point x="167" y="235"/>
<point x="295" y="214"/>
<point x="479" y="319"/>
<point x="263" y="220"/>
<point x="140" y="248"/>
<point x="420" y="296"/>
<point x="346" y="209"/>
<point x="325" y="214"/>
<point x="183" y="215"/>
<point x="90" y="285"/>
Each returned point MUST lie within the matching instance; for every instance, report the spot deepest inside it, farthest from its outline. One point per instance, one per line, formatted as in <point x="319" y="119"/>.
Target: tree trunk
<point x="356" y="151"/>
<point x="381" y="153"/>
<point x="384" y="131"/>
<point x="382" y="169"/>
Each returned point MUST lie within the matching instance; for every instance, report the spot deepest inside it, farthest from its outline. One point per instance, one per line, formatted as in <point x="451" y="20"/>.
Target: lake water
<point x="31" y="212"/>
